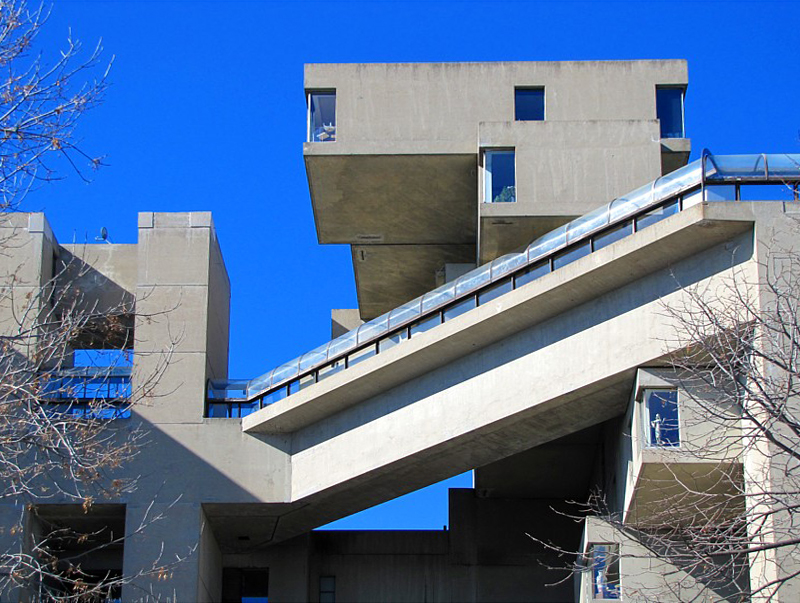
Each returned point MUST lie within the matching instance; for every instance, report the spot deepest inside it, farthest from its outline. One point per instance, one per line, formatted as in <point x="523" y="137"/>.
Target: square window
<point x="604" y="564"/>
<point x="499" y="177"/>
<point x="529" y="104"/>
<point x="322" y="116"/>
<point x="669" y="111"/>
<point x="661" y="414"/>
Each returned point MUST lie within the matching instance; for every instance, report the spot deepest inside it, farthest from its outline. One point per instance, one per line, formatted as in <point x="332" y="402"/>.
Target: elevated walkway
<point x="514" y="368"/>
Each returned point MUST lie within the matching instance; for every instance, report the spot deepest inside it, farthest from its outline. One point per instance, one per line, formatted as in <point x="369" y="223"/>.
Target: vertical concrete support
<point x="26" y="270"/>
<point x="774" y="572"/>
<point x="209" y="588"/>
<point x="163" y="556"/>
<point x="182" y="314"/>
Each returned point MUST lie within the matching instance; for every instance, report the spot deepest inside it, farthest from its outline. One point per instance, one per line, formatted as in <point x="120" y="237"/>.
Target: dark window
<point x="322" y="116"/>
<point x="529" y="104"/>
<point x="245" y="585"/>
<point x="327" y="589"/>
<point x="669" y="110"/>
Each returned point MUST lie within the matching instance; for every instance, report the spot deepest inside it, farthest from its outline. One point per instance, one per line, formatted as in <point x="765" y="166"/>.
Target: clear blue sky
<point x="206" y="112"/>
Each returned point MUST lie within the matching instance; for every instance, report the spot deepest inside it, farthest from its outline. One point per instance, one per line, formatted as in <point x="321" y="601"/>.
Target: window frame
<point x="682" y="89"/>
<point x="309" y="94"/>
<point x="590" y="564"/>
<point x="646" y="420"/>
<point x="486" y="177"/>
<point x="544" y="101"/>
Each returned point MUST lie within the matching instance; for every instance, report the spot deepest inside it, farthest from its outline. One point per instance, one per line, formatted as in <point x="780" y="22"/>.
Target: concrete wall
<point x="438" y="105"/>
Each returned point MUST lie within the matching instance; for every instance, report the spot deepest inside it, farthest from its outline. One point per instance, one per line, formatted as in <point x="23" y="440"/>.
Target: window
<point x="669" y="111"/>
<point x="245" y="585"/>
<point x="661" y="416"/>
<point x="498" y="175"/>
<point x="327" y="589"/>
<point x="322" y="116"/>
<point x="604" y="563"/>
<point x="529" y="104"/>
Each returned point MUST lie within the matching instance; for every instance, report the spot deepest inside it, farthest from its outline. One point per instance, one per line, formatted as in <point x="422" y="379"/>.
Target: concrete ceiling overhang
<point x="390" y="275"/>
<point x="388" y="199"/>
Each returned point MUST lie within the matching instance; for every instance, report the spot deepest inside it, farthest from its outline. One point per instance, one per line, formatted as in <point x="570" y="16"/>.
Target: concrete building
<point x="516" y="230"/>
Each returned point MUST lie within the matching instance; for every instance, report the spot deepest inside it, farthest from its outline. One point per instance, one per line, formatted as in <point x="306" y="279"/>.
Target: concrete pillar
<point x="182" y="314"/>
<point x="163" y="557"/>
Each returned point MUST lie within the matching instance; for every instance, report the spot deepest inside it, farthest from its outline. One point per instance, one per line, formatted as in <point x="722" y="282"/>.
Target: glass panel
<point x="314" y="357"/>
<point x="626" y="206"/>
<point x="677" y="181"/>
<point x="473" y="279"/>
<point x="736" y="166"/>
<point x="285" y="371"/>
<point x="246" y="408"/>
<point x="274" y="396"/>
<point x="766" y="192"/>
<point x="342" y="344"/>
<point x="573" y="253"/>
<point x="786" y="165"/>
<point x="437" y="297"/>
<point x="604" y="560"/>
<point x="587" y="223"/>
<point x="721" y="192"/>
<point x="219" y="411"/>
<point x="259" y="384"/>
<point x="426" y="324"/>
<point x="663" y="426"/>
<point x="612" y="235"/>
<point x="656" y="215"/>
<point x="508" y="263"/>
<point x="547" y="243"/>
<point x="532" y="273"/>
<point x="392" y="340"/>
<point x="307" y="380"/>
<point x="322" y="117"/>
<point x="529" y="104"/>
<point x="692" y="198"/>
<point x="359" y="355"/>
<point x="459" y="308"/>
<point x="294" y="386"/>
<point x="327" y="584"/>
<point x="373" y="328"/>
<point x="669" y="111"/>
<point x="404" y="313"/>
<point x="494" y="291"/>
<point x="330" y="369"/>
<point x="499" y="185"/>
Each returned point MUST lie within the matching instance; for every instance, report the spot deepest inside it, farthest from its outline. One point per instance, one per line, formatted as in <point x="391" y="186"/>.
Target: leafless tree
<point x="60" y="440"/>
<point x="723" y="521"/>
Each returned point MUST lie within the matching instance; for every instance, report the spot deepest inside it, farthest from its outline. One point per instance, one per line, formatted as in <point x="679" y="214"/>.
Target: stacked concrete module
<point x="541" y="391"/>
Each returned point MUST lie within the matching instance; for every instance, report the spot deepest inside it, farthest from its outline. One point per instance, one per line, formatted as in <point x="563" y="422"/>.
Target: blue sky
<point x="206" y="112"/>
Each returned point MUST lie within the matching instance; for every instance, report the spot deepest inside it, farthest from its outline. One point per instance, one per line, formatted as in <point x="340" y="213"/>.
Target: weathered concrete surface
<point x="404" y="169"/>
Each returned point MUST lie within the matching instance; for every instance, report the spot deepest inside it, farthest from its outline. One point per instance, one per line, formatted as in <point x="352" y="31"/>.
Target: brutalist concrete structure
<point x="517" y="229"/>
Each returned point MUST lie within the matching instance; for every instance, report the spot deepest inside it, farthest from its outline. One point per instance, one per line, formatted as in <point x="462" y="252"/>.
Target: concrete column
<point x="182" y="314"/>
<point x="176" y="544"/>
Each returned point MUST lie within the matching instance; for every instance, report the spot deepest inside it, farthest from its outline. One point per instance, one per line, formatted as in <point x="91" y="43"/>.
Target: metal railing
<point x="89" y="392"/>
<point x="711" y="178"/>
